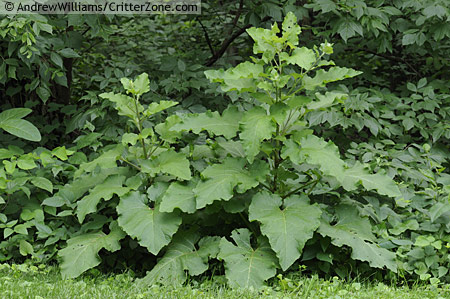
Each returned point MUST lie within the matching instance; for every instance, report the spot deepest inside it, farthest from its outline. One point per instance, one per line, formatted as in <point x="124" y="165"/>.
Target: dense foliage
<point x="312" y="136"/>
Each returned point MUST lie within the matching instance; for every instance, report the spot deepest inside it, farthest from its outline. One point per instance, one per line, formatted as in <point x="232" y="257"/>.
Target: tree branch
<point x="228" y="41"/>
<point x="208" y="40"/>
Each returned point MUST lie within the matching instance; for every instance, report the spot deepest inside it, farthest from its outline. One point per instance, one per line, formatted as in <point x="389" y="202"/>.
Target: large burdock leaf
<point x="246" y="267"/>
<point x="105" y="190"/>
<point x="153" y="229"/>
<point x="222" y="179"/>
<point x="169" y="162"/>
<point x="333" y="74"/>
<point x="315" y="150"/>
<point x="226" y="124"/>
<point x="379" y="181"/>
<point x="125" y="105"/>
<point x="181" y="256"/>
<point x="179" y="196"/>
<point x="81" y="252"/>
<point x="256" y="126"/>
<point x="288" y="227"/>
<point x="356" y="232"/>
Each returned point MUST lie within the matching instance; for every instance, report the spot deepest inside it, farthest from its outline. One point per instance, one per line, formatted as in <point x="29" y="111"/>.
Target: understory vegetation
<point x="236" y="149"/>
<point x="24" y="281"/>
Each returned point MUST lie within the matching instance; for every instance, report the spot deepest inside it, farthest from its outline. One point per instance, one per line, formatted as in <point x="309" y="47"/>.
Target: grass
<point x="23" y="281"/>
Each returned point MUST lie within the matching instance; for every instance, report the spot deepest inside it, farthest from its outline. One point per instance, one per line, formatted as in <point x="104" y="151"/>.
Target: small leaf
<point x="68" y="53"/>
<point x="26" y="162"/>
<point x="25" y="248"/>
<point x="57" y="60"/>
<point x="42" y="183"/>
<point x="181" y="65"/>
<point x="43" y="93"/>
<point x="141" y="84"/>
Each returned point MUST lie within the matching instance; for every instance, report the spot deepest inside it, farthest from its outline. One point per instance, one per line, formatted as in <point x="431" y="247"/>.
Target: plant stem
<point x="131" y="164"/>
<point x="139" y="125"/>
<point x="249" y="225"/>
<point x="299" y="188"/>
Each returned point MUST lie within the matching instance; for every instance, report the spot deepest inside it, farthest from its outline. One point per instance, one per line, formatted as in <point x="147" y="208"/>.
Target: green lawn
<point x="21" y="281"/>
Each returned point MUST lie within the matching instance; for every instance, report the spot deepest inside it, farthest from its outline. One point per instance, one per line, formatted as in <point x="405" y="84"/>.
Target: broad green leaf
<point x="380" y="182"/>
<point x="264" y="41"/>
<point x="326" y="100"/>
<point x="226" y="125"/>
<point x="240" y="78"/>
<point x="333" y="74"/>
<point x="68" y="53"/>
<point x="55" y="201"/>
<point x="287" y="227"/>
<point x="6" y="154"/>
<point x="42" y="183"/>
<point x="106" y="160"/>
<point x="169" y="162"/>
<point x="43" y="93"/>
<point x="125" y="105"/>
<point x="62" y="153"/>
<point x="315" y="150"/>
<point x="181" y="257"/>
<point x="141" y="84"/>
<point x="154" y="108"/>
<point x="256" y="126"/>
<point x="153" y="229"/>
<point x="291" y="29"/>
<point x="21" y="128"/>
<point x="165" y="129"/>
<point x="234" y="148"/>
<point x="356" y="232"/>
<point x="179" y="196"/>
<point x="81" y="253"/>
<point x="246" y="267"/>
<point x="26" y="162"/>
<point x="220" y="181"/>
<point x="56" y="59"/>
<point x="303" y="57"/>
<point x="25" y="248"/>
<point x="348" y="29"/>
<point x="438" y="209"/>
<point x="80" y="185"/>
<point x="88" y="204"/>
<point x="401" y="227"/>
<point x="14" y="113"/>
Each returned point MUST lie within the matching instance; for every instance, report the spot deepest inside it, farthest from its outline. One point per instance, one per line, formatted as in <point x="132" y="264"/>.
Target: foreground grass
<point x="21" y="281"/>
